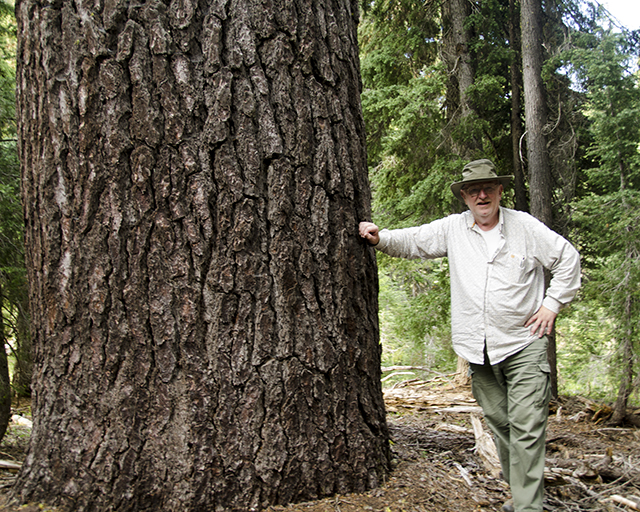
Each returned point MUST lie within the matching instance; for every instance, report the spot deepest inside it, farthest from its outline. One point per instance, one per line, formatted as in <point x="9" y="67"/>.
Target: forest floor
<point x="441" y="461"/>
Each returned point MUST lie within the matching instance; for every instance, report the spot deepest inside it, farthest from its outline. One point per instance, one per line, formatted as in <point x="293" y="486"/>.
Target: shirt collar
<point x="471" y="222"/>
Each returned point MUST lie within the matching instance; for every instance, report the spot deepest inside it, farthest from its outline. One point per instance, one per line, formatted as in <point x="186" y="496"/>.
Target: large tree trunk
<point x="540" y="186"/>
<point x="204" y="313"/>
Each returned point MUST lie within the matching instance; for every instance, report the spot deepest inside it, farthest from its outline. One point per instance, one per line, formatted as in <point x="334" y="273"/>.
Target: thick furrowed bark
<point x="205" y="317"/>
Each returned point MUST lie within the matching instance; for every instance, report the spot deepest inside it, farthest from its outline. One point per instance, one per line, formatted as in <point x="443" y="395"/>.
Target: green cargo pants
<point x="514" y="396"/>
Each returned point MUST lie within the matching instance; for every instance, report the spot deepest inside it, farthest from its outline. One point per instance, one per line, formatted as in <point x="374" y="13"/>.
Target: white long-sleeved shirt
<point x="493" y="295"/>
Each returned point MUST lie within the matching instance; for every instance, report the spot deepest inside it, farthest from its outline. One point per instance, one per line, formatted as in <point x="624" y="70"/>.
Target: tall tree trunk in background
<point x="204" y="312"/>
<point x="540" y="186"/>
<point x="461" y="74"/>
<point x="516" y="109"/>
<point x="626" y="387"/>
<point x="628" y="319"/>
<point x="456" y="56"/>
<point x="535" y="111"/>
<point x="456" y="53"/>
<point x="5" y="383"/>
<point x="23" y="351"/>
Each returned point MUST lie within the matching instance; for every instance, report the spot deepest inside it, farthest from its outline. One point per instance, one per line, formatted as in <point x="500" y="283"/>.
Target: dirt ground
<point x="439" y="465"/>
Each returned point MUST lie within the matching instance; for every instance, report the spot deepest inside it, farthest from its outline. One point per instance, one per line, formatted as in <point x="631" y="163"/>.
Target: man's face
<point x="483" y="199"/>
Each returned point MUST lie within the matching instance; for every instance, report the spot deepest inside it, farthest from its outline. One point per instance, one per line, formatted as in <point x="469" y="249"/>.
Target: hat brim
<point x="505" y="181"/>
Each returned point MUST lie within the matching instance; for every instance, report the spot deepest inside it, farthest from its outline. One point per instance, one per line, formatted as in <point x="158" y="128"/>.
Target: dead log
<point x="21" y="420"/>
<point x="485" y="447"/>
<point x="579" y="416"/>
<point x="456" y="429"/>
<point x="457" y="409"/>
<point x="395" y="374"/>
<point x="462" y="377"/>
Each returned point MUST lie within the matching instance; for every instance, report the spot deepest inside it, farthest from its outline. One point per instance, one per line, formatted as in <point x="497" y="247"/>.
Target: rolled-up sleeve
<point x="426" y="242"/>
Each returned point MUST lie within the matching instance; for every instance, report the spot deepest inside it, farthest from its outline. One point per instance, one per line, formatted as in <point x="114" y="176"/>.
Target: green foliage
<point x="8" y="31"/>
<point x="10" y="210"/>
<point x="609" y="230"/>
<point x="584" y="337"/>
<point x="13" y="283"/>
<point x="414" y="313"/>
<point x="404" y="88"/>
<point x="7" y="71"/>
<point x="607" y="214"/>
<point x="397" y="38"/>
<point x="411" y="163"/>
<point x="410" y="138"/>
<point x="11" y="252"/>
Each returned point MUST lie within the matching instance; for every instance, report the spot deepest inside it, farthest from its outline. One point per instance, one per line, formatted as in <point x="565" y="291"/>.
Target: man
<point x="500" y="313"/>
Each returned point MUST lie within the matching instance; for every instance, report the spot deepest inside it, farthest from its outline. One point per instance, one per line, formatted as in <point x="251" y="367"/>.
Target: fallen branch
<point x="624" y="501"/>
<point x="555" y="476"/>
<point x="456" y="429"/>
<point x="385" y="369"/>
<point x="402" y="368"/>
<point x="21" y="420"/>
<point x="464" y="473"/>
<point x="7" y="464"/>
<point x="395" y="374"/>
<point x="459" y="409"/>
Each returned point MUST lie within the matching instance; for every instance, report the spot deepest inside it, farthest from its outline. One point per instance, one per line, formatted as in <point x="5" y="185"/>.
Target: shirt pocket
<point x="514" y="268"/>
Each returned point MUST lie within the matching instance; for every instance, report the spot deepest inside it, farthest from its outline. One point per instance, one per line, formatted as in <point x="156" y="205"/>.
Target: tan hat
<point x="479" y="170"/>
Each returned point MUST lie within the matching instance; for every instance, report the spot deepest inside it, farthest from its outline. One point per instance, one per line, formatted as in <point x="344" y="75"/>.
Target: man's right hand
<point x="369" y="231"/>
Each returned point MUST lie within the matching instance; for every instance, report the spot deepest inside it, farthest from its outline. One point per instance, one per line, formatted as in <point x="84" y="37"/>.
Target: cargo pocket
<point x="543" y="390"/>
